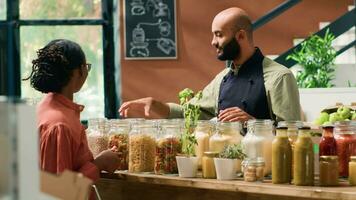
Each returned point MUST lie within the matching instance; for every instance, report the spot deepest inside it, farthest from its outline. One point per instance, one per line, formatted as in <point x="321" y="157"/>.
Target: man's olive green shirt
<point x="281" y="90"/>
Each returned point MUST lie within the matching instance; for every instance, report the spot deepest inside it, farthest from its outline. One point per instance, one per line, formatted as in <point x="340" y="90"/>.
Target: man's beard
<point x="230" y="51"/>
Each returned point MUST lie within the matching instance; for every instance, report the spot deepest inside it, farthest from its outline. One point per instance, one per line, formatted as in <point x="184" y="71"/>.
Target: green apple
<point x="353" y="116"/>
<point x="323" y="117"/>
<point x="344" y="112"/>
<point x="335" y="117"/>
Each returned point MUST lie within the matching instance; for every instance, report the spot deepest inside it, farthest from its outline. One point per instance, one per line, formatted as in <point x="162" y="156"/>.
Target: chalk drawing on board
<point x="138" y="8"/>
<point x="139" y="44"/>
<point x="166" y="45"/>
<point x="159" y="8"/>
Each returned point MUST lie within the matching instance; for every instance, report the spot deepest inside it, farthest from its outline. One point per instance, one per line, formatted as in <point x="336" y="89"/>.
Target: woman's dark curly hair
<point x="55" y="62"/>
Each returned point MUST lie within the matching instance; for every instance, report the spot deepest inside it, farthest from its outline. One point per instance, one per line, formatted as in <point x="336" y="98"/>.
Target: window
<point x="31" y="24"/>
<point x="63" y="9"/>
<point x="2" y="9"/>
<point x="89" y="38"/>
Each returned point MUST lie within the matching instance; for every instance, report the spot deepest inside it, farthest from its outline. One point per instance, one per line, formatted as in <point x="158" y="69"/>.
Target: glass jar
<point x="208" y="167"/>
<point x="253" y="169"/>
<point x="327" y="145"/>
<point x="119" y="139"/>
<point x="328" y="171"/>
<point x="352" y="171"/>
<point x="142" y="147"/>
<point x="97" y="136"/>
<point x="281" y="157"/>
<point x="303" y="158"/>
<point x="344" y="133"/>
<point x="202" y="133"/>
<point x="258" y="142"/>
<point x="167" y="147"/>
<point x="292" y="133"/>
<point x="226" y="133"/>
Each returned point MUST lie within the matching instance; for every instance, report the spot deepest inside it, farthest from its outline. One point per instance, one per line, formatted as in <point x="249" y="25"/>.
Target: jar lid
<point x="282" y="128"/>
<point x="211" y="154"/>
<point x="253" y="162"/>
<point x="305" y="128"/>
<point x="328" y="158"/>
<point x="353" y="158"/>
<point x="327" y="126"/>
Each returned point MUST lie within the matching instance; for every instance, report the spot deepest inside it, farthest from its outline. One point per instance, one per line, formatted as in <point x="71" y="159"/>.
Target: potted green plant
<point x="229" y="162"/>
<point x="188" y="162"/>
<point x="316" y="57"/>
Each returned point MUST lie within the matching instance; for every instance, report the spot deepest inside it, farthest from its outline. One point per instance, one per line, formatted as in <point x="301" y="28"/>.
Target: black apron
<point x="246" y="89"/>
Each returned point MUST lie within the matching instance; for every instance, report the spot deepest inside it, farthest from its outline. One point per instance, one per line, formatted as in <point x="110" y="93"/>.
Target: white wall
<point x="315" y="100"/>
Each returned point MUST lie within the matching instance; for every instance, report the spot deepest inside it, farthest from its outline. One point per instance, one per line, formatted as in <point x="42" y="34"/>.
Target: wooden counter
<point x="124" y="185"/>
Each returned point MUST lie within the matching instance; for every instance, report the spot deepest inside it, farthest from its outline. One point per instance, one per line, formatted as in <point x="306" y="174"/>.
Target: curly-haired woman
<point x="60" y="70"/>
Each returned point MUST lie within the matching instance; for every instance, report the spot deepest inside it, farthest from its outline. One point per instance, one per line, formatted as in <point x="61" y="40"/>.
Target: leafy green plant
<point x="234" y="151"/>
<point x="317" y="58"/>
<point x="191" y="116"/>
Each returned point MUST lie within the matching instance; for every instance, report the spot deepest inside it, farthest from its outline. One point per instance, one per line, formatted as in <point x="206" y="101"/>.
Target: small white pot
<point x="225" y="168"/>
<point x="187" y="166"/>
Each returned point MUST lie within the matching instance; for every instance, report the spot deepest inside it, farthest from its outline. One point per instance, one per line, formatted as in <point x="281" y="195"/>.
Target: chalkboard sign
<point x="150" y="29"/>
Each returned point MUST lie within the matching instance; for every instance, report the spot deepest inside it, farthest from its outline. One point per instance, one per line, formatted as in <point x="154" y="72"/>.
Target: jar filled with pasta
<point x="142" y="147"/>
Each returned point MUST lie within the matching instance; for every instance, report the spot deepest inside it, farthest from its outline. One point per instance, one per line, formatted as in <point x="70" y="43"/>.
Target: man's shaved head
<point x="235" y="19"/>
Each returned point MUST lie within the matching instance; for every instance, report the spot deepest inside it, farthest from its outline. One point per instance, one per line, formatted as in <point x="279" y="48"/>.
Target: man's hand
<point x="145" y="107"/>
<point x="233" y="114"/>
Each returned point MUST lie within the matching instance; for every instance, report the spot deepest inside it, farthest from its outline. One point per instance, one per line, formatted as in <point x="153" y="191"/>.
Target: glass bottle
<point x="97" y="136"/>
<point x="202" y="133"/>
<point x="292" y="133"/>
<point x="142" y="147"/>
<point x="327" y="145"/>
<point x="119" y="139"/>
<point x="328" y="173"/>
<point x="344" y="133"/>
<point x="303" y="158"/>
<point x="167" y="147"/>
<point x="208" y="167"/>
<point x="258" y="142"/>
<point x="352" y="171"/>
<point x="281" y="157"/>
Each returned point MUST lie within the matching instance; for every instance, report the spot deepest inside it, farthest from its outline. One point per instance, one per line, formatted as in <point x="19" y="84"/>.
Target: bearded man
<point x="252" y="87"/>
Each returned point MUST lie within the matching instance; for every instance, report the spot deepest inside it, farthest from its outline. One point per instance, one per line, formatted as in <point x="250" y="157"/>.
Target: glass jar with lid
<point x="167" y="147"/>
<point x="327" y="145"/>
<point x="253" y="169"/>
<point x="97" y="135"/>
<point x="202" y="133"/>
<point x="258" y="142"/>
<point x="208" y="166"/>
<point x="119" y="140"/>
<point x="226" y="133"/>
<point x="142" y="146"/>
<point x="303" y="158"/>
<point x="345" y="136"/>
<point x="281" y="157"/>
<point x="352" y="171"/>
<point x="328" y="171"/>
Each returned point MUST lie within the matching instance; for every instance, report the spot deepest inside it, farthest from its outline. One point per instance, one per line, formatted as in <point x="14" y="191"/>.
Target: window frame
<point x="10" y="69"/>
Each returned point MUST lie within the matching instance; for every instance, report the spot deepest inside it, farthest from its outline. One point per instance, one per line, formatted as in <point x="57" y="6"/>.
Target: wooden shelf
<point x="239" y="187"/>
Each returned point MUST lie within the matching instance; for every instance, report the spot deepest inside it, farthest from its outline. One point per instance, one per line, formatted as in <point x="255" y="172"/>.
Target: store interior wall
<point x="197" y="64"/>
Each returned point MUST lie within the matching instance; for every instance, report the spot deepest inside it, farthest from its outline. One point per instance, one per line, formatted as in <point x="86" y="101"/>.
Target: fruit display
<point x="335" y="114"/>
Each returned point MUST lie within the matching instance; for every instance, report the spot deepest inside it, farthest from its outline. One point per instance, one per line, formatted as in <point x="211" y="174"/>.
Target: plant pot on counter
<point x="225" y="168"/>
<point x="187" y="166"/>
